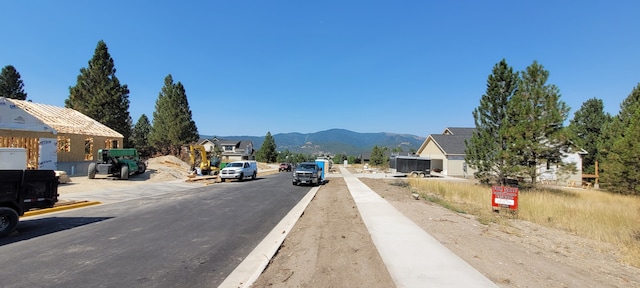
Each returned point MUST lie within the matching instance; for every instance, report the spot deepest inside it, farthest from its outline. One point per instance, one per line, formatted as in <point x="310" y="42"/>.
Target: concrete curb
<point x="252" y="266"/>
<point x="60" y="208"/>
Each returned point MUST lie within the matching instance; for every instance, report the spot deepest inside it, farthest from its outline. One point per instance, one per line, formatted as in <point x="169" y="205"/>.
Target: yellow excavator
<point x="206" y="167"/>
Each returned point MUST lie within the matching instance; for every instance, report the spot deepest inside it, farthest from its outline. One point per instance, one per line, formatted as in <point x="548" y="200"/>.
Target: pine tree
<point x="11" y="85"/>
<point x="585" y="130"/>
<point x="99" y="94"/>
<point x="488" y="147"/>
<point x="623" y="160"/>
<point x="378" y="157"/>
<point x="620" y="148"/>
<point x="173" y="125"/>
<point x="140" y="136"/>
<point x="267" y="152"/>
<point x="535" y="115"/>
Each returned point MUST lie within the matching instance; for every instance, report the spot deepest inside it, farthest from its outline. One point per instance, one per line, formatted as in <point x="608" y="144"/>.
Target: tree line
<point x="519" y="127"/>
<point x="519" y="124"/>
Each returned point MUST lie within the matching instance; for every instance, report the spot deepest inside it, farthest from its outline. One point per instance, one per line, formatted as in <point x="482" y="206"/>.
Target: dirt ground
<point x="330" y="247"/>
<point x="159" y="169"/>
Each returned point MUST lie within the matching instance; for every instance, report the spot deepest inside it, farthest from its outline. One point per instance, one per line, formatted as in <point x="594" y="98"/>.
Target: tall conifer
<point x="11" y="85"/>
<point x="267" y="152"/>
<point x="99" y="94"/>
<point x="585" y="131"/>
<point x="173" y="125"/>
<point x="488" y="147"/>
<point x="619" y="146"/>
<point x="140" y="135"/>
<point x="536" y="115"/>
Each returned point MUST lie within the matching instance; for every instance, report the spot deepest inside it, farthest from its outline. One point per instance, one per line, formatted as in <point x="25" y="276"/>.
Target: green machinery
<point x="118" y="163"/>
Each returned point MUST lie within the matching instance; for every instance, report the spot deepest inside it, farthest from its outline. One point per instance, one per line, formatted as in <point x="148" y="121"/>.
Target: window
<point x="88" y="149"/>
<point x="111" y="144"/>
<point x="228" y="147"/>
<point x="64" y="144"/>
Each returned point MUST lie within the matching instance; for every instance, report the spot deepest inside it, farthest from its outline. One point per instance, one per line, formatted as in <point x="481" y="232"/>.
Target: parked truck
<point x="307" y="173"/>
<point x="23" y="190"/>
<point x="118" y="163"/>
<point x="239" y="170"/>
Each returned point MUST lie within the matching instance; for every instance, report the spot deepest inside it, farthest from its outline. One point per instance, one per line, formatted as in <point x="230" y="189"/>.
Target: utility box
<point x="324" y="164"/>
<point x="13" y="158"/>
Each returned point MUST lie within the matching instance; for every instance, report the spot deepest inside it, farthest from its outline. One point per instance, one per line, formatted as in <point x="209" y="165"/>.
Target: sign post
<point x="504" y="197"/>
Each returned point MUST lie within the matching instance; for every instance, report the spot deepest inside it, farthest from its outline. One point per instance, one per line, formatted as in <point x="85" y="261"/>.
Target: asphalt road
<point x="184" y="238"/>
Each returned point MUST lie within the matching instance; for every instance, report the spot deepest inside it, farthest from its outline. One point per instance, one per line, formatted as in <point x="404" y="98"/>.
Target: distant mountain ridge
<point x="334" y="141"/>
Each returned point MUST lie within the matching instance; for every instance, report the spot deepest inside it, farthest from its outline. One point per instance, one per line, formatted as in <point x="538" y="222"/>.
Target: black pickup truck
<point x="23" y="190"/>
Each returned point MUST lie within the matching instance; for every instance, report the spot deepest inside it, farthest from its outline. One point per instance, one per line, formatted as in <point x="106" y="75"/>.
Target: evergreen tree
<point x="285" y="156"/>
<point x="624" y="159"/>
<point x="173" y="125"/>
<point x="140" y="136"/>
<point x="99" y="94"/>
<point x="585" y="130"/>
<point x="267" y="152"/>
<point x="487" y="150"/>
<point x="614" y="128"/>
<point x="378" y="157"/>
<point x="535" y="115"/>
<point x="11" y="85"/>
<point x="619" y="146"/>
<point x="339" y="158"/>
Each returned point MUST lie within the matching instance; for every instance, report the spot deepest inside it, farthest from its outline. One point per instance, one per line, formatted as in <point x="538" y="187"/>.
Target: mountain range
<point x="334" y="141"/>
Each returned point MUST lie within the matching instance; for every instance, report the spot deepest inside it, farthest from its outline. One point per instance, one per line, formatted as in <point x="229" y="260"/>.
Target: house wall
<point x="67" y="158"/>
<point x="438" y="159"/>
<point x="230" y="158"/>
<point x="551" y="174"/>
<point x="455" y="167"/>
<point x="24" y="140"/>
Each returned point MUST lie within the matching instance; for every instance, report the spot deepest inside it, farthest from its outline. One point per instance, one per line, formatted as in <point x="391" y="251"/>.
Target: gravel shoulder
<point x="328" y="247"/>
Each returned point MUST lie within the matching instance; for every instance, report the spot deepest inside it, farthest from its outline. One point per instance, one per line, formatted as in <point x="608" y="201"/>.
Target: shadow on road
<point x="28" y="229"/>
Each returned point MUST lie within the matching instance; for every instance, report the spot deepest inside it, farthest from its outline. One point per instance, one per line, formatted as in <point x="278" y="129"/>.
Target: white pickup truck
<point x="239" y="170"/>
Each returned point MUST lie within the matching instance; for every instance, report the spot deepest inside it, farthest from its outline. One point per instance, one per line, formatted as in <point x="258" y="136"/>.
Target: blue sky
<point x="252" y="67"/>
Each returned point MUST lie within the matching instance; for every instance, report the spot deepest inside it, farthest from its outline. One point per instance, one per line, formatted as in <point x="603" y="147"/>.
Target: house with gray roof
<point x="232" y="150"/>
<point x="447" y="151"/>
<point x="447" y="154"/>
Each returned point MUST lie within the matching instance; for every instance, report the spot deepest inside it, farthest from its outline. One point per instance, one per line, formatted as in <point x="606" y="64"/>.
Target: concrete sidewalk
<point x="412" y="256"/>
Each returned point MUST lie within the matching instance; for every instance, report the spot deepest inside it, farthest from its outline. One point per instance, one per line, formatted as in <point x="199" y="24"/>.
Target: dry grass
<point x="593" y="214"/>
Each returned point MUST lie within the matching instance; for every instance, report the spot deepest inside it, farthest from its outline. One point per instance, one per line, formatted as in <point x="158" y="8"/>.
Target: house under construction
<point x="55" y="138"/>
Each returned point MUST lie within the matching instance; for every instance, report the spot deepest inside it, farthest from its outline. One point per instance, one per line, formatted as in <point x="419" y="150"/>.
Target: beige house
<point x="55" y="137"/>
<point x="447" y="151"/>
<point x="232" y="150"/>
<point x="447" y="154"/>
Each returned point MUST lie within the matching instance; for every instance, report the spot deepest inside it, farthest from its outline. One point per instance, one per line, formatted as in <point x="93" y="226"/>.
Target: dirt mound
<point x="167" y="168"/>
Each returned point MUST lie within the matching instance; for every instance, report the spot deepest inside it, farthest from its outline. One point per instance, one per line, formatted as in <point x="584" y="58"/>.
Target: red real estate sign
<point x="506" y="197"/>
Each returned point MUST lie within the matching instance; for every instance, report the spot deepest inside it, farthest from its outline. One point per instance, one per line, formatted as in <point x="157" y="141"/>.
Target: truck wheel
<point x="241" y="177"/>
<point x="141" y="168"/>
<point x="253" y="177"/>
<point x="8" y="221"/>
<point x="91" y="172"/>
<point x="124" y="172"/>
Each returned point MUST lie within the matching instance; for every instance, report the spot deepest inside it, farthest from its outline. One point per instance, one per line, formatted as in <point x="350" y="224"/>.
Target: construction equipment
<point x="119" y="163"/>
<point x="207" y="166"/>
